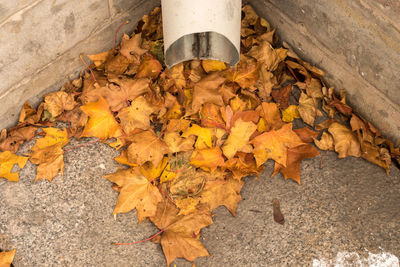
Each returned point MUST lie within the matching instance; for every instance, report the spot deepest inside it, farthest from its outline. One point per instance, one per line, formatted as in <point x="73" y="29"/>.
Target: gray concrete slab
<point x="346" y="212"/>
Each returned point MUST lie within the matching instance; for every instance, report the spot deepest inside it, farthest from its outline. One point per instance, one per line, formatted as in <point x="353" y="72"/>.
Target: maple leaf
<point x="176" y="143"/>
<point x="291" y="113"/>
<point x="187" y="205"/>
<point x="149" y="67"/>
<point x="100" y="58"/>
<point x="152" y="172"/>
<point x="206" y="91"/>
<point x="117" y="64"/>
<point x="238" y="137"/>
<point x="57" y="102"/>
<point x="131" y="47"/>
<point x="204" y="136"/>
<point x="50" y="160"/>
<point x="173" y="77"/>
<point x="136" y="192"/>
<point x="136" y="116"/>
<point x="243" y="165"/>
<point x="281" y="96"/>
<point x="17" y="137"/>
<point x="245" y="73"/>
<point x="123" y="159"/>
<point x="102" y="123"/>
<point x="294" y="156"/>
<point x="265" y="83"/>
<point x="146" y="146"/>
<point x="222" y="192"/>
<point x="306" y="135"/>
<point x="271" y="115"/>
<point x="7" y="162"/>
<point x="208" y="159"/>
<point x="274" y="145"/>
<point x="53" y="136"/>
<point x="266" y="55"/>
<point x="178" y="238"/>
<point x="213" y="65"/>
<point x="7" y="257"/>
<point x="346" y="143"/>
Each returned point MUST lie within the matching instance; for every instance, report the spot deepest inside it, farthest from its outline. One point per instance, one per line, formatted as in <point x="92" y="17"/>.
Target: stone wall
<point x="41" y="41"/>
<point x="357" y="44"/>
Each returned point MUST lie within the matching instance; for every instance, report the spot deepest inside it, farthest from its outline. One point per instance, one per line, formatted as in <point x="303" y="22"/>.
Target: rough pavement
<point x="345" y="212"/>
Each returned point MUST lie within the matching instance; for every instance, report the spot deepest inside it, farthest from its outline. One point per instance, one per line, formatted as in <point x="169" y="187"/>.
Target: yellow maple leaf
<point x="346" y="143"/>
<point x="291" y="113"/>
<point x="50" y="160"/>
<point x="152" y="172"/>
<point x="53" y="136"/>
<point x="204" y="136"/>
<point x="7" y="161"/>
<point x="102" y="123"/>
<point x="187" y="205"/>
<point x="123" y="159"/>
<point x="213" y="65"/>
<point x="238" y="137"/>
<point x="136" y="116"/>
<point x="7" y="257"/>
<point x="136" y="192"/>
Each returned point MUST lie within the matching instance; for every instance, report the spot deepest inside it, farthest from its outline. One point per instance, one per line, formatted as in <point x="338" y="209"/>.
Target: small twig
<point x="116" y="32"/>
<point x="141" y="241"/>
<point x="88" y="67"/>
<point x="86" y="144"/>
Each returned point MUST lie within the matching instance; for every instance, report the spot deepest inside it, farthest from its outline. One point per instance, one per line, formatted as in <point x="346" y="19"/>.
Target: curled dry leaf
<point x="57" y="102"/>
<point x="131" y="48"/>
<point x="326" y="142"/>
<point x="17" y="137"/>
<point x="346" y="143"/>
<point x="307" y="109"/>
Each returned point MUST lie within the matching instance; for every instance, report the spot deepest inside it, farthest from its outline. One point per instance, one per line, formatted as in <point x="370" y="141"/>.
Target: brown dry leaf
<point x="271" y="115"/>
<point x="213" y="65"/>
<point x="211" y="116"/>
<point x="50" y="160"/>
<point x="313" y="88"/>
<point x="266" y="55"/>
<point x="281" y="96"/>
<point x="136" y="192"/>
<point x="274" y="145"/>
<point x="123" y="159"/>
<point x="206" y="91"/>
<point x="176" y="143"/>
<point x="17" y="137"/>
<point x="250" y="16"/>
<point x="245" y="73"/>
<point x="6" y="258"/>
<point x="373" y="154"/>
<point x="176" y="125"/>
<point x="57" y="102"/>
<point x="341" y="107"/>
<point x="306" y="135"/>
<point x="294" y="156"/>
<point x="278" y="216"/>
<point x="7" y="162"/>
<point x="346" y="143"/>
<point x="222" y="192"/>
<point x="146" y="146"/>
<point x="149" y="67"/>
<point x="102" y="123"/>
<point x="307" y="109"/>
<point x="179" y="237"/>
<point x="326" y="142"/>
<point x="30" y="115"/>
<point x="131" y="48"/>
<point x="243" y="165"/>
<point x="238" y="137"/>
<point x="136" y="116"/>
<point x="117" y="64"/>
<point x="173" y="76"/>
<point x="265" y="83"/>
<point x="208" y="159"/>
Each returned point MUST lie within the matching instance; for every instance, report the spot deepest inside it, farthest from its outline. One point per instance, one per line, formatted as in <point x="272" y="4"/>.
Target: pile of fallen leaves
<point x="189" y="134"/>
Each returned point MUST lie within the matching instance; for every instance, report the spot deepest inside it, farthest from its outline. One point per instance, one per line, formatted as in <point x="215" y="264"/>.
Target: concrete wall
<point x="357" y="43"/>
<point x="40" y="43"/>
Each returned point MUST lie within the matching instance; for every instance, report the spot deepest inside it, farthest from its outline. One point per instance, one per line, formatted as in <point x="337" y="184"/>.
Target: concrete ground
<point x="346" y="213"/>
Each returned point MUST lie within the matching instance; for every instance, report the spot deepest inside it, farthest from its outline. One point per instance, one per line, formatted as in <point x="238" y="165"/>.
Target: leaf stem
<point x="88" y="67"/>
<point x="141" y="241"/>
<point x="116" y="32"/>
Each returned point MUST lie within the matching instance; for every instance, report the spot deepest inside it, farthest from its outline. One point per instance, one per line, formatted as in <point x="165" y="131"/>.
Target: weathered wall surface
<point x="40" y="43"/>
<point x="357" y="44"/>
